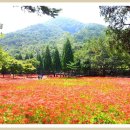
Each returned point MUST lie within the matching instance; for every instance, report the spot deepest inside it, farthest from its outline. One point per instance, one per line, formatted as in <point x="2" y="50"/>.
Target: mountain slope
<point x="66" y="24"/>
<point x="50" y="32"/>
<point x="33" y="34"/>
<point x="89" y="31"/>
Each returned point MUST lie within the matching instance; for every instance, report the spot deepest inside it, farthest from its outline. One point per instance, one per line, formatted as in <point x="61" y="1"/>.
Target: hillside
<point x="66" y="24"/>
<point x="89" y="31"/>
<point x="50" y="32"/>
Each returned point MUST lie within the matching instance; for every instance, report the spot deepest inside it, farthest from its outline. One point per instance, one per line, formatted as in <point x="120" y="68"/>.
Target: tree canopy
<point x="67" y="54"/>
<point x="56" y="61"/>
<point x="47" y="61"/>
<point x="118" y="19"/>
<point x="41" y="10"/>
<point x="116" y="16"/>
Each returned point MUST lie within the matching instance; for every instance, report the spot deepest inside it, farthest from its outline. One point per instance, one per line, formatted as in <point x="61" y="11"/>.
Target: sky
<point x="13" y="18"/>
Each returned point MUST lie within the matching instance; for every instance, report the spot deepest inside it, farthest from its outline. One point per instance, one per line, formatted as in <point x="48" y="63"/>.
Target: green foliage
<point x="53" y="32"/>
<point x="4" y="70"/>
<point x="33" y="61"/>
<point x="74" y="66"/>
<point x="31" y="56"/>
<point x="27" y="56"/>
<point x="19" y="56"/>
<point x="102" y="118"/>
<point x="28" y="68"/>
<point x="117" y="17"/>
<point x="2" y="35"/>
<point x="89" y="32"/>
<point x="15" y="67"/>
<point x="56" y="61"/>
<point x="4" y="57"/>
<point x="47" y="61"/>
<point x="99" y="58"/>
<point x="67" y="24"/>
<point x="40" y="66"/>
<point x="119" y="38"/>
<point x="42" y="10"/>
<point x="67" y="55"/>
<point x="84" y="52"/>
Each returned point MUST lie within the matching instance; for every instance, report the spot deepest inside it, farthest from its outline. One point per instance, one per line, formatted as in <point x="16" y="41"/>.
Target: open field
<point x="86" y="100"/>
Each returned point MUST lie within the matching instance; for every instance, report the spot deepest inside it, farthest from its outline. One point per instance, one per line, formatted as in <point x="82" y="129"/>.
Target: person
<point x="54" y="74"/>
<point x="40" y="76"/>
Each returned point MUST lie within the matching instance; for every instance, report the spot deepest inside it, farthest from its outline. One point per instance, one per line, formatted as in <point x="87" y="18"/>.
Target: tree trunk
<point x="103" y="71"/>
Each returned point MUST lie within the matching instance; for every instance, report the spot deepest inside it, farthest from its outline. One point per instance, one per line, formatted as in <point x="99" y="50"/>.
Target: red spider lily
<point x="60" y="100"/>
<point x="75" y="121"/>
<point x="28" y="114"/>
<point x="25" y="121"/>
<point x="1" y="121"/>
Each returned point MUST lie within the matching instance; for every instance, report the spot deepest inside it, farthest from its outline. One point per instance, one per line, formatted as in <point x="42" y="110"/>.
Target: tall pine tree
<point x="31" y="56"/>
<point x="19" y="57"/>
<point x="47" y="61"/>
<point x="56" y="61"/>
<point x="67" y="56"/>
<point x="27" y="56"/>
<point x="40" y="67"/>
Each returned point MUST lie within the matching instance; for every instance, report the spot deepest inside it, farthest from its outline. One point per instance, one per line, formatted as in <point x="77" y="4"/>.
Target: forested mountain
<point x="90" y="31"/>
<point x="36" y="36"/>
<point x="66" y="24"/>
<point x="63" y="45"/>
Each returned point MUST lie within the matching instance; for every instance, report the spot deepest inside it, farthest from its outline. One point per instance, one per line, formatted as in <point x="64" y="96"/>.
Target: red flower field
<point x="86" y="100"/>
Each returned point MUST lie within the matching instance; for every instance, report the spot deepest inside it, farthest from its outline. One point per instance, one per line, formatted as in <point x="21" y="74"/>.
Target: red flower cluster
<point x="86" y="100"/>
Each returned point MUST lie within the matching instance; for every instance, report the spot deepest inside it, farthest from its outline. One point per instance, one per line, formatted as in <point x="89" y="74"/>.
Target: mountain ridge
<point x="50" y="32"/>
